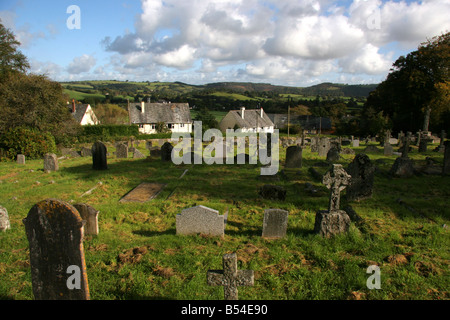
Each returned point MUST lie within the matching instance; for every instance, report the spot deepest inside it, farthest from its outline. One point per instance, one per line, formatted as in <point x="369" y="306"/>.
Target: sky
<point x="281" y="42"/>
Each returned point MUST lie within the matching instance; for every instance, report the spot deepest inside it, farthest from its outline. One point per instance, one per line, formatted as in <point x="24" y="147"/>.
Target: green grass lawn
<point x="410" y="247"/>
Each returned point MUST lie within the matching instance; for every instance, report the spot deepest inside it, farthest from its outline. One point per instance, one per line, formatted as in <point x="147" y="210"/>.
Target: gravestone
<point x="293" y="157"/>
<point x="314" y="144"/>
<point x="275" y="223"/>
<point x="333" y="155"/>
<point x="90" y="215"/>
<point x="446" y="167"/>
<point x="200" y="219"/>
<point x="138" y="155"/>
<point x="323" y="146"/>
<point x="230" y="277"/>
<point x="144" y="192"/>
<point x="4" y="219"/>
<point x="99" y="159"/>
<point x="371" y="149"/>
<point x="333" y="221"/>
<point x="21" y="159"/>
<point x="86" y="152"/>
<point x="355" y="143"/>
<point x="55" y="234"/>
<point x="166" y="152"/>
<point x="362" y="172"/>
<point x="403" y="167"/>
<point x="272" y="192"/>
<point x="50" y="162"/>
<point x="388" y="150"/>
<point x="148" y="144"/>
<point x="155" y="152"/>
<point x="122" y="151"/>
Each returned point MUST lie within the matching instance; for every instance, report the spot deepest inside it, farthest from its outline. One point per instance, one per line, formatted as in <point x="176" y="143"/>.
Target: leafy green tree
<point x="111" y="114"/>
<point x="11" y="59"/>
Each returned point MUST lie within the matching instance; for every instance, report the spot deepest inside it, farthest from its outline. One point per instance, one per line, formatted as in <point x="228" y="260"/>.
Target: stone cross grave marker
<point x="230" y="277"/>
<point x="90" y="215"/>
<point x="336" y="179"/>
<point x="99" y="159"/>
<point x="21" y="159"/>
<point x="293" y="157"/>
<point x="200" y="219"/>
<point x="275" y="223"/>
<point x="122" y="151"/>
<point x="4" y="219"/>
<point x="55" y="234"/>
<point x="50" y="162"/>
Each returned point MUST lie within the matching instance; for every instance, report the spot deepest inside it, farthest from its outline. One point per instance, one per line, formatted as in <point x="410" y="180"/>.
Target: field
<point x="137" y="254"/>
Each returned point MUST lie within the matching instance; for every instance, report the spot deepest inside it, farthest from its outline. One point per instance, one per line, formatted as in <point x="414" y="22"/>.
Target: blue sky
<point x="283" y="42"/>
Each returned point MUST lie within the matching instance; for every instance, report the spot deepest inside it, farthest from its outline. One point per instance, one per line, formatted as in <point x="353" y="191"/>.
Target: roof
<point x="160" y="112"/>
<point x="252" y="118"/>
<point x="80" y="110"/>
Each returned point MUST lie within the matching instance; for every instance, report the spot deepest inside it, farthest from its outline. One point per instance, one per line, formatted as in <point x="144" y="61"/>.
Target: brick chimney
<point x="73" y="105"/>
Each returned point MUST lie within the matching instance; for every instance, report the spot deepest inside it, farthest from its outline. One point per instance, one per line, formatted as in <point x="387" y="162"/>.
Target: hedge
<point x="110" y="130"/>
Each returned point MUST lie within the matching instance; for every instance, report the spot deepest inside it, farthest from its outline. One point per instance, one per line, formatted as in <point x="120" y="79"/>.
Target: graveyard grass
<point x="137" y="254"/>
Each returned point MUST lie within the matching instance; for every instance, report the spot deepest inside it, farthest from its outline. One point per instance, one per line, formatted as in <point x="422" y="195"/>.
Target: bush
<point x="27" y="141"/>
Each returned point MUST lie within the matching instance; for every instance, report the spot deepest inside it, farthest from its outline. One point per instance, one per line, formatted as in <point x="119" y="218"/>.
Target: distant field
<point x="219" y="115"/>
<point x="81" y="95"/>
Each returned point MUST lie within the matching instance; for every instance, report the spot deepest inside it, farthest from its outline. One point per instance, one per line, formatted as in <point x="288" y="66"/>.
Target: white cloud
<point x="81" y="64"/>
<point x="366" y="61"/>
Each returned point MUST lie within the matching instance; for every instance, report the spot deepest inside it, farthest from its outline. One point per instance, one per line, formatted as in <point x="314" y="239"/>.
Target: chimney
<point x="142" y="106"/>
<point x="262" y="113"/>
<point x="242" y="112"/>
<point x="73" y="105"/>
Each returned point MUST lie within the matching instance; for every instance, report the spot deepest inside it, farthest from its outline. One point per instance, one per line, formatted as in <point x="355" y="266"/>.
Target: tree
<point x="11" y="59"/>
<point x="416" y="87"/>
<point x="111" y="114"/>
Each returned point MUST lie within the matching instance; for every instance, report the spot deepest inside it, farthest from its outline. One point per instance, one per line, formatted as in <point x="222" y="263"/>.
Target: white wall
<point x="148" y="128"/>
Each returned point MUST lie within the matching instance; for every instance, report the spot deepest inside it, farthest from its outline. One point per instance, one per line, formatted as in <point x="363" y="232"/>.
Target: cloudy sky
<point x="282" y="42"/>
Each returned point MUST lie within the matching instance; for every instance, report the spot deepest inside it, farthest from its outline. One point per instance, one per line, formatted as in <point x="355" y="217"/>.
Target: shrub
<point x="30" y="142"/>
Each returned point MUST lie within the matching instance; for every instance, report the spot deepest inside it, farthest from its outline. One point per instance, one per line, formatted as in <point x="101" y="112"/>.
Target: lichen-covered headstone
<point x="333" y="155"/>
<point x="122" y="151"/>
<point x="55" y="234"/>
<point x="323" y="146"/>
<point x="275" y="223"/>
<point x="4" y="219"/>
<point x="21" y="159"/>
<point x="362" y="171"/>
<point x="200" y="220"/>
<point x="50" y="162"/>
<point x="90" y="215"/>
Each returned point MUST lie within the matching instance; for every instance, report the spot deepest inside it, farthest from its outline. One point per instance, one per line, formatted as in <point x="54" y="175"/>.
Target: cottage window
<point x="181" y="125"/>
<point x="169" y="125"/>
<point x="141" y="126"/>
<point x="153" y="126"/>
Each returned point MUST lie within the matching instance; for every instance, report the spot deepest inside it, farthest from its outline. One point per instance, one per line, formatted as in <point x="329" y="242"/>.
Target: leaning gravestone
<point x="200" y="219"/>
<point x="166" y="152"/>
<point x="333" y="221"/>
<point x="55" y="234"/>
<point x="90" y="215"/>
<point x="4" y="219"/>
<point x="362" y="173"/>
<point x="99" y="159"/>
<point x="122" y="151"/>
<point x="230" y="277"/>
<point x="50" y="162"/>
<point x="21" y="159"/>
<point x="293" y="157"/>
<point x="275" y="223"/>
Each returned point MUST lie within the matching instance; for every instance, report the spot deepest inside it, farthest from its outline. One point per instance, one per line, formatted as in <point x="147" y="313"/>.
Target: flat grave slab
<point x="144" y="192"/>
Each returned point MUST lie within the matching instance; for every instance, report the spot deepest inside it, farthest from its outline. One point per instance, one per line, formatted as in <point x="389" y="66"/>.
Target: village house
<point x="253" y="120"/>
<point x="83" y="114"/>
<point x="176" y="116"/>
<point x="312" y="124"/>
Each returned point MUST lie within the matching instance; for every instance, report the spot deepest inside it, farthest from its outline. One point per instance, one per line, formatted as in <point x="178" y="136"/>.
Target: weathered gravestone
<point x="362" y="173"/>
<point x="230" y="277"/>
<point x="55" y="234"/>
<point x="403" y="166"/>
<point x="314" y="144"/>
<point x="4" y="219"/>
<point x="275" y="223"/>
<point x="86" y="152"/>
<point x="122" y="151"/>
<point x="293" y="157"/>
<point x="148" y="144"/>
<point x="446" y="167"/>
<point x="50" y="162"/>
<point x="388" y="149"/>
<point x="441" y="147"/>
<point x="21" y="159"/>
<point x="355" y="143"/>
<point x="333" y="154"/>
<point x="166" y="152"/>
<point x="90" y="215"/>
<point x="333" y="221"/>
<point x="200" y="220"/>
<point x="138" y="155"/>
<point x="323" y="146"/>
<point x="99" y="158"/>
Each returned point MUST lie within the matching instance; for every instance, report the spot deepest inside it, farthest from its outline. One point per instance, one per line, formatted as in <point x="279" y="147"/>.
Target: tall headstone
<point x="99" y="158"/>
<point x="21" y="159"/>
<point x="362" y="173"/>
<point x="4" y="219"/>
<point x="333" y="221"/>
<point x="166" y="152"/>
<point x="90" y="215"/>
<point x="55" y="234"/>
<point x="324" y="146"/>
<point x="200" y="219"/>
<point x="446" y="167"/>
<point x="315" y="144"/>
<point x="50" y="162"/>
<point x="122" y="151"/>
<point x="294" y="157"/>
<point x="230" y="277"/>
<point x="275" y="223"/>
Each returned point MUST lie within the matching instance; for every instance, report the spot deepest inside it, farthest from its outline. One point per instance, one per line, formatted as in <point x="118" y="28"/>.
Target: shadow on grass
<point x="148" y="233"/>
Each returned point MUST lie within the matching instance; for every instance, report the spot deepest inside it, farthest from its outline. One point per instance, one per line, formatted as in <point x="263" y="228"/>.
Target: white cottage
<point x="176" y="116"/>
<point x="83" y="114"/>
<point x="253" y="120"/>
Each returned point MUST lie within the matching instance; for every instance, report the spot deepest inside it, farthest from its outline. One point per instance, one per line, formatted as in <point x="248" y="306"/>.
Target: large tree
<point x="416" y="89"/>
<point x="11" y="59"/>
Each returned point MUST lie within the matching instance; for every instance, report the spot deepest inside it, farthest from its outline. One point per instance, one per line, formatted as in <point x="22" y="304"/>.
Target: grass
<point x="301" y="266"/>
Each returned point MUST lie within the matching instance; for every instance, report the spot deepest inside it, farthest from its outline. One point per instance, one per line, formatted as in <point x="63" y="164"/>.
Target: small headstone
<point x="272" y="192"/>
<point x="200" y="219"/>
<point x="4" y="219"/>
<point x="55" y="234"/>
<point x="230" y="277"/>
<point x="86" y="152"/>
<point x="371" y="149"/>
<point x="21" y="159"/>
<point x="122" y="151"/>
<point x="403" y="167"/>
<point x="388" y="150"/>
<point x="362" y="173"/>
<point x="275" y="223"/>
<point x="294" y="157"/>
<point x="90" y="215"/>
<point x="166" y="152"/>
<point x="323" y="146"/>
<point x="355" y="143"/>
<point x="138" y="155"/>
<point x="446" y="167"/>
<point x="99" y="158"/>
<point x="333" y="155"/>
<point x="50" y="162"/>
